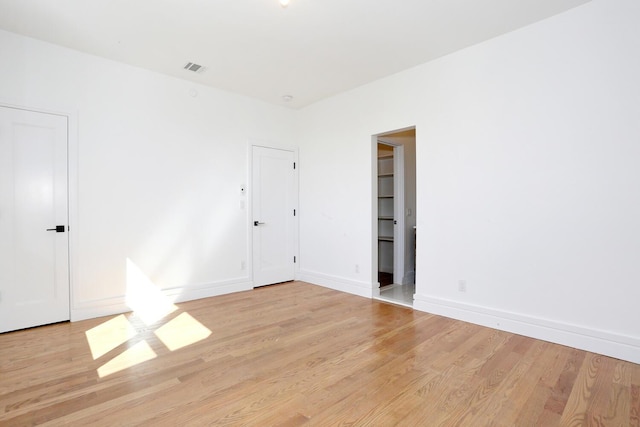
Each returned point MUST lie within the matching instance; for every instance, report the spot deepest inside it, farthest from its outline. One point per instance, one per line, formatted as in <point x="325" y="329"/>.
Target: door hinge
<point x="294" y="212"/>
<point x="294" y="259"/>
<point x="294" y="165"/>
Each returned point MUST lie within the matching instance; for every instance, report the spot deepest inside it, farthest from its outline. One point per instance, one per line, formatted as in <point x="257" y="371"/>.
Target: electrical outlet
<point x="242" y="265"/>
<point x="462" y="286"/>
<point x="357" y="268"/>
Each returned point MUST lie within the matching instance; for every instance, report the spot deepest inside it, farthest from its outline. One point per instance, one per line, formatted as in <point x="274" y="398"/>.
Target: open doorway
<point x="394" y="186"/>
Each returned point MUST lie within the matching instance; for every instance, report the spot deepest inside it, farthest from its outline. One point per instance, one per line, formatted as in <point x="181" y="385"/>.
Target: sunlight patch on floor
<point x="151" y="306"/>
<point x="182" y="331"/>
<point x="109" y="335"/>
<point x="138" y="353"/>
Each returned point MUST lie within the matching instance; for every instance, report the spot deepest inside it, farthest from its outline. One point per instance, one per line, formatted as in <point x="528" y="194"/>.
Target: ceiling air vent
<point x="190" y="66"/>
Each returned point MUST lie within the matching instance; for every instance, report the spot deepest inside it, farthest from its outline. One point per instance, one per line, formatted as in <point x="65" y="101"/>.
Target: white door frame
<point x="375" y="284"/>
<point x="249" y="204"/>
<point x="400" y="212"/>
<point x="72" y="192"/>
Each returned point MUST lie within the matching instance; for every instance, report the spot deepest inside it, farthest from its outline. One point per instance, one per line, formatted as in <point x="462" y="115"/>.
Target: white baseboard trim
<point x="98" y="308"/>
<point x="363" y="289"/>
<point x="211" y="290"/>
<point x="83" y="310"/>
<point x="597" y="341"/>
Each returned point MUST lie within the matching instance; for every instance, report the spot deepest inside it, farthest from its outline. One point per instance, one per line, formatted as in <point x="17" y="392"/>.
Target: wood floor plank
<point x="634" y="412"/>
<point x="533" y="411"/>
<point x="297" y="354"/>
<point x="478" y="401"/>
<point x="619" y="398"/>
<point x="516" y="389"/>
<point x="585" y="392"/>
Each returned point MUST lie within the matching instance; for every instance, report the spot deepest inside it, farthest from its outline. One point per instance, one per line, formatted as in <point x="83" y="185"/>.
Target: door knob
<point x="257" y="223"/>
<point x="58" y="229"/>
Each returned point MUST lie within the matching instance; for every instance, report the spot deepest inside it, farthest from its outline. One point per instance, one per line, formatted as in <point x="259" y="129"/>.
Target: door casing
<point x="60" y="180"/>
<point x="254" y="266"/>
<point x="400" y="212"/>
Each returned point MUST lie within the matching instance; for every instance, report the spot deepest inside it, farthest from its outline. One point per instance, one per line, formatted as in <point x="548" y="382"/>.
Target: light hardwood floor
<point x="298" y="354"/>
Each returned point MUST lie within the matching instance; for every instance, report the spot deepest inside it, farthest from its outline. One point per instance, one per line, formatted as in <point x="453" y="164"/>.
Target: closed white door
<point x="34" y="244"/>
<point x="273" y="204"/>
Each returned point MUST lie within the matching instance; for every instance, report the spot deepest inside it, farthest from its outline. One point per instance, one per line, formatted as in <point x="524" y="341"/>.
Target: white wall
<point x="156" y="172"/>
<point x="527" y="180"/>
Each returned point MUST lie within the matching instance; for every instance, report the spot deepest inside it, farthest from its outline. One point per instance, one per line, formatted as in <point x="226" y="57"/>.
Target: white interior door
<point x="398" y="215"/>
<point x="273" y="204"/>
<point x="34" y="249"/>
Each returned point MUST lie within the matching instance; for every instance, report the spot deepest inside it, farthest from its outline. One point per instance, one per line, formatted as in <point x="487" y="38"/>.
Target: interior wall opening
<point x="394" y="185"/>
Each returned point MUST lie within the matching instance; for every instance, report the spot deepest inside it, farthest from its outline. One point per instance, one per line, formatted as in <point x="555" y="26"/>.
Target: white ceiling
<point x="310" y="50"/>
